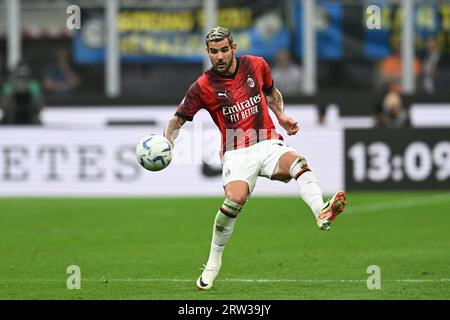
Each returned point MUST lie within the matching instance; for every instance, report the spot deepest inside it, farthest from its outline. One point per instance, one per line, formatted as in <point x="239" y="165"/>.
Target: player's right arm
<point x="189" y="106"/>
<point x="173" y="128"/>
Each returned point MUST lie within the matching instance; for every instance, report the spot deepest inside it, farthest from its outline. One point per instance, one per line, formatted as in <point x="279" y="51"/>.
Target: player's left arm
<point x="275" y="101"/>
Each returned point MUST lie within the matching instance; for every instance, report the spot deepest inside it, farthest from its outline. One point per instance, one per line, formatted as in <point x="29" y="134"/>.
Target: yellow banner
<point x="180" y="21"/>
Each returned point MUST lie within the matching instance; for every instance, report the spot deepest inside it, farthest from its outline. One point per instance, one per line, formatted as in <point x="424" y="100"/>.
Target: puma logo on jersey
<point x="222" y="94"/>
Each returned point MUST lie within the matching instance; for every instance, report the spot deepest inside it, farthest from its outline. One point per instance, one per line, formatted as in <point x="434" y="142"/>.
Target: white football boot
<point x="330" y="210"/>
<point x="206" y="280"/>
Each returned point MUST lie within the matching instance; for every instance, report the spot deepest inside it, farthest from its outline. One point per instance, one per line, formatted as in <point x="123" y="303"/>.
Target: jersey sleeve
<point x="267" y="77"/>
<point x="191" y="103"/>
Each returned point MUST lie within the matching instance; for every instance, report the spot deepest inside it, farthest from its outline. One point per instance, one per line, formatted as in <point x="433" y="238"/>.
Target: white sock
<point x="222" y="230"/>
<point x="310" y="191"/>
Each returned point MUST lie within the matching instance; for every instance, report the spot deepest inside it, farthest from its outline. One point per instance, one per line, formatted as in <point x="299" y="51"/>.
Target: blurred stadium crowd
<point x="161" y="46"/>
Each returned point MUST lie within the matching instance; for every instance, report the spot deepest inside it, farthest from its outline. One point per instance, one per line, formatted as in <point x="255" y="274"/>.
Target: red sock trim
<point x="301" y="172"/>
<point x="228" y="214"/>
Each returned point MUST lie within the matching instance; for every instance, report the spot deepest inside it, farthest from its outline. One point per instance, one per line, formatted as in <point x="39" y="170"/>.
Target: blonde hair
<point x="218" y="34"/>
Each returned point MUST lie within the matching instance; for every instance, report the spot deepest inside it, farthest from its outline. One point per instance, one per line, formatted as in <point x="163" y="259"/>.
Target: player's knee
<point x="231" y="208"/>
<point x="299" y="167"/>
<point x="237" y="196"/>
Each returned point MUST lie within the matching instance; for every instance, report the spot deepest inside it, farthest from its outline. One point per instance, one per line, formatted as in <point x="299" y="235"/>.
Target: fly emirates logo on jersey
<point x="242" y="110"/>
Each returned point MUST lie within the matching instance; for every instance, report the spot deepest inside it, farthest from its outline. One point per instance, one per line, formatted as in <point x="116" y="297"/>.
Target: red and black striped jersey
<point x="236" y="102"/>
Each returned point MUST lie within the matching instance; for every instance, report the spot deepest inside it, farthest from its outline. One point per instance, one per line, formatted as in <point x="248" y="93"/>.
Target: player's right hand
<point x="169" y="139"/>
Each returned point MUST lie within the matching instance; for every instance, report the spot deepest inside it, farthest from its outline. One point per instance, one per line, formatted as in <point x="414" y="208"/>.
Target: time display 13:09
<point x="375" y="162"/>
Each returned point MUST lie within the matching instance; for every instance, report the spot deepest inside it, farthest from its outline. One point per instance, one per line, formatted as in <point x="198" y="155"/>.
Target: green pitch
<point x="153" y="248"/>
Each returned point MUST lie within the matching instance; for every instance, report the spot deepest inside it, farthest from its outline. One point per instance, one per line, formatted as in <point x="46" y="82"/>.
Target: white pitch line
<point x="397" y="204"/>
<point x="232" y="280"/>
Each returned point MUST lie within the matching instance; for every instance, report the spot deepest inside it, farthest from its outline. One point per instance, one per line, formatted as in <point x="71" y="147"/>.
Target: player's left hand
<point x="289" y="124"/>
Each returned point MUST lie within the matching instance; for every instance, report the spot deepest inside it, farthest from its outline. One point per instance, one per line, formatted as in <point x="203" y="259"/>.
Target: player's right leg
<point x="236" y="193"/>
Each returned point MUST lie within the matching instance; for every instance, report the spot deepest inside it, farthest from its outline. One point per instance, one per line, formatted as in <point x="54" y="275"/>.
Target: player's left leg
<point x="291" y="164"/>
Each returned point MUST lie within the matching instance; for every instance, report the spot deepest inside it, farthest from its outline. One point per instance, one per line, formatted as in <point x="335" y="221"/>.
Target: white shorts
<point x="247" y="164"/>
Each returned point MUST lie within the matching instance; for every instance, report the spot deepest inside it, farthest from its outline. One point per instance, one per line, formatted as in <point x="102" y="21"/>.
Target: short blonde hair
<point x="218" y="34"/>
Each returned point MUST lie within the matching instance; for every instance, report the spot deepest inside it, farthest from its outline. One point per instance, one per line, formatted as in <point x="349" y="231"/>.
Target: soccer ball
<point x="154" y="152"/>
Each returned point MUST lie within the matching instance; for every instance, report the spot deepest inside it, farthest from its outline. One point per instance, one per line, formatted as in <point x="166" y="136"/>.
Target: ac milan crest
<point x="250" y="82"/>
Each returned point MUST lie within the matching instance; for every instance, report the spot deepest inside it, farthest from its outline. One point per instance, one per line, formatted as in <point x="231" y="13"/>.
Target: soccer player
<point x="238" y="92"/>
